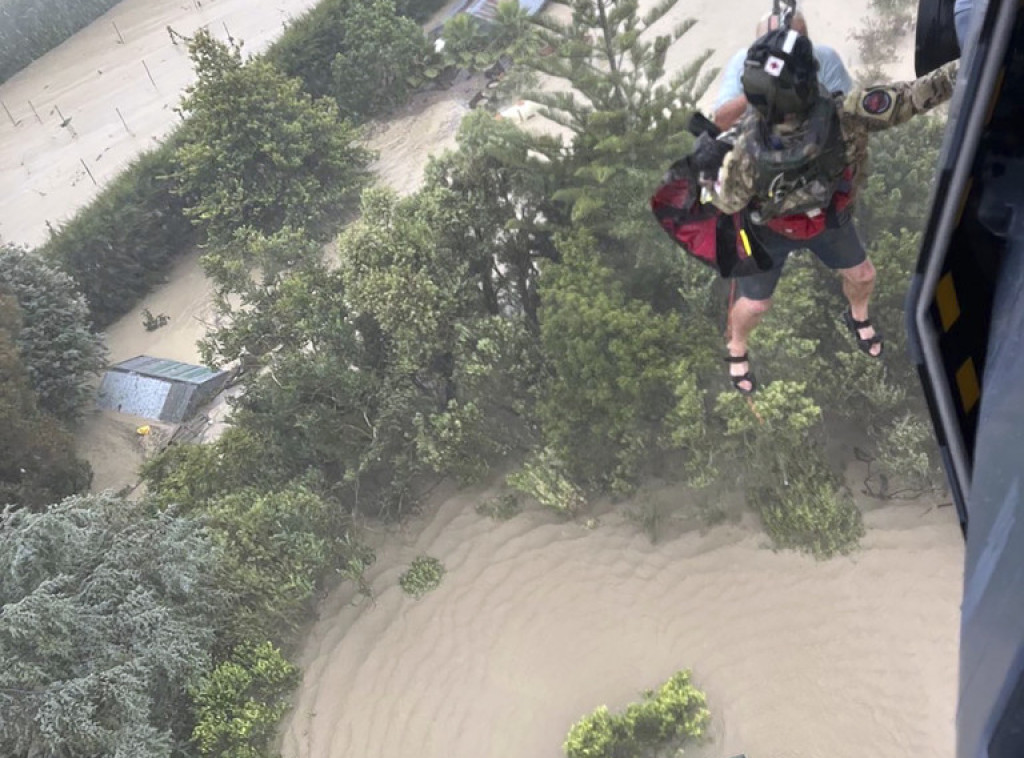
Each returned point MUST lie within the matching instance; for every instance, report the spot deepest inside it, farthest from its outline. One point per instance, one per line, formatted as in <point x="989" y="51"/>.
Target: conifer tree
<point x="60" y="353"/>
<point x="106" y="617"/>
<point x="626" y="117"/>
<point x="37" y="459"/>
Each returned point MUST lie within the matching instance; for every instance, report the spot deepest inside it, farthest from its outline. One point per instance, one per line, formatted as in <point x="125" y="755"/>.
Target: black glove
<point x="700" y="124"/>
<point x="708" y="154"/>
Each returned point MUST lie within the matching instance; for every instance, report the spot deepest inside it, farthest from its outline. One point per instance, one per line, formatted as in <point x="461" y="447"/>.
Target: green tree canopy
<point x="501" y="195"/>
<point x="60" y="354"/>
<point x="273" y="546"/>
<point x="612" y="369"/>
<point x="257" y="153"/>
<point x="37" y="459"/>
<point x="626" y="116"/>
<point x="241" y="702"/>
<point x="372" y="71"/>
<point x="444" y="360"/>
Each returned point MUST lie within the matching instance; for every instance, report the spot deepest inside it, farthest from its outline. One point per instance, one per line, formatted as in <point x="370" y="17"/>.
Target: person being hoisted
<point x="731" y="103"/>
<point x="792" y="165"/>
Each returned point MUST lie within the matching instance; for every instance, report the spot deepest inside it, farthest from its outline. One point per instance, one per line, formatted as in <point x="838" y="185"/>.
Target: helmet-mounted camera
<point x="780" y="75"/>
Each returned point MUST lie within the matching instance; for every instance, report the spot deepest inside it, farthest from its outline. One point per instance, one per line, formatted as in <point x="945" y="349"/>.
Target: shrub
<point x="239" y="704"/>
<point x="151" y="322"/>
<point x="423" y="575"/>
<point x="810" y="512"/>
<point x="544" y="479"/>
<point x="275" y="548"/>
<point x="189" y="476"/>
<point x="904" y="443"/>
<point x="800" y="499"/>
<point x="501" y="507"/>
<point x="673" y="713"/>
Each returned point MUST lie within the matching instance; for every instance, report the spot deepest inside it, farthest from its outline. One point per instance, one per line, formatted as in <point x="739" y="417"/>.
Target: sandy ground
<point x="426" y="126"/>
<point x="186" y="300"/>
<point x="538" y="622"/>
<point x="115" y="448"/>
<point x="105" y="438"/>
<point x="88" y="79"/>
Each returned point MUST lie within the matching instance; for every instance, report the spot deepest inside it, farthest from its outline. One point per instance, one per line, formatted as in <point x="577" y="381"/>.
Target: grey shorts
<point x="837" y="248"/>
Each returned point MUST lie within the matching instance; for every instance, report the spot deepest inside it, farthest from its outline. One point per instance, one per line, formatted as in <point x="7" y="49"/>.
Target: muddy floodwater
<point x="537" y="622"/>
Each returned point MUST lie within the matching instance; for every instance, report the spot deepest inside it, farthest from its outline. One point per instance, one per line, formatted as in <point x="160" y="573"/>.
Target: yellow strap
<point x="746" y="242"/>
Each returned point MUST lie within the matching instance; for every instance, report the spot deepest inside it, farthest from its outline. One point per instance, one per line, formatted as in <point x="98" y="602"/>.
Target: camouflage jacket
<point x="862" y="111"/>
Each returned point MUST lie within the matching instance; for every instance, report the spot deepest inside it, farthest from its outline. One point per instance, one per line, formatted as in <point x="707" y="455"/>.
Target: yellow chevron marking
<point x="967" y="383"/>
<point x="945" y="299"/>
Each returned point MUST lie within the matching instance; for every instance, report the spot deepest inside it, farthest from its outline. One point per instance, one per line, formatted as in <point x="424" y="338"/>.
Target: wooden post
<point x="123" y="121"/>
<point x="150" y="75"/>
<point x="89" y="172"/>
<point x="119" y="37"/>
<point x="8" y="113"/>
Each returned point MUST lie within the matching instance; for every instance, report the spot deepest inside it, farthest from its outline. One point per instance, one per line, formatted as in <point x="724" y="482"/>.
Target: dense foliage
<point x="520" y="307"/>
<point x="274" y="548"/>
<point x="61" y="355"/>
<point x="360" y="53"/>
<point x="664" y="720"/>
<point x="37" y="459"/>
<point x="240" y="702"/>
<point x="106" y="617"/>
<point x="257" y="155"/>
<point x="611" y="367"/>
<point x="626" y="116"/>
<point x="31" y="28"/>
<point x="120" y="245"/>
<point x="459" y="325"/>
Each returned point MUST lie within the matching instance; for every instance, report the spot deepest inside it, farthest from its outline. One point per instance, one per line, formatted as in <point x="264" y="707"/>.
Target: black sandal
<point x="865" y="345"/>
<point x="747" y="377"/>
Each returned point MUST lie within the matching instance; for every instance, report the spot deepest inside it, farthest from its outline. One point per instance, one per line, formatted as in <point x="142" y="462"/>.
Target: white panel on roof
<point x="133" y="393"/>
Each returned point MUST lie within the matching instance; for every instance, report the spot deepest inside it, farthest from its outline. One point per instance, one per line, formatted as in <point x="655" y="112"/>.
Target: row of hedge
<point x="121" y="244"/>
<point x="31" y="28"/>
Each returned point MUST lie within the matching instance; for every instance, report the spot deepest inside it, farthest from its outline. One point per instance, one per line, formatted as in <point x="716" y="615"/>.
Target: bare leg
<point x="744" y="316"/>
<point x="858" y="284"/>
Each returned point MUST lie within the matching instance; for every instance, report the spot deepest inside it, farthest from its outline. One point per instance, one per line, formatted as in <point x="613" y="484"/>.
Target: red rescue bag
<point x="712" y="237"/>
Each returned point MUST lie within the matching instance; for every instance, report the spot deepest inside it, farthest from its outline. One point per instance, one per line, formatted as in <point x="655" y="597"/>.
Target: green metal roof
<point x="162" y="368"/>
